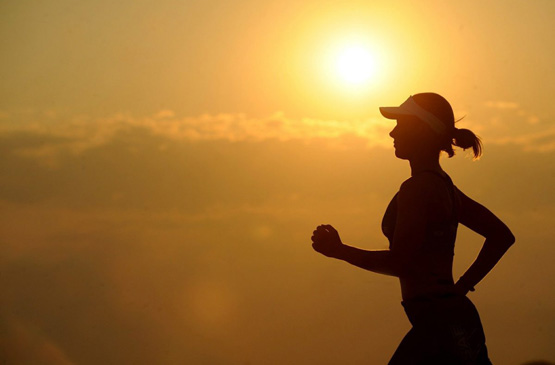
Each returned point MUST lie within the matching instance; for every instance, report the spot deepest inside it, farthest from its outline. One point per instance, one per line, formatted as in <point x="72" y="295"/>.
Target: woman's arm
<point x="327" y="242"/>
<point x="410" y="226"/>
<point x="498" y="240"/>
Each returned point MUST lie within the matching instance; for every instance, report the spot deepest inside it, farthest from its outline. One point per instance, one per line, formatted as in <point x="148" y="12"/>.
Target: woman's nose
<point x="391" y="134"/>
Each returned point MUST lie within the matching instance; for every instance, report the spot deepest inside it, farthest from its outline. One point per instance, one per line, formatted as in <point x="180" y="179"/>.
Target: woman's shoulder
<point x="424" y="182"/>
<point x="416" y="191"/>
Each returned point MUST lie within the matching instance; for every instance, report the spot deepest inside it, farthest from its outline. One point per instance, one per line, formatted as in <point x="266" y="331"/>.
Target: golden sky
<point x="165" y="162"/>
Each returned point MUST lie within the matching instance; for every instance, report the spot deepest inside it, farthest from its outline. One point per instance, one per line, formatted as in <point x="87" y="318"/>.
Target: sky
<point x="164" y="164"/>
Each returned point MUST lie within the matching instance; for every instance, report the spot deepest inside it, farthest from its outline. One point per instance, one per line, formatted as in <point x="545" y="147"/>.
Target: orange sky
<point x="164" y="164"/>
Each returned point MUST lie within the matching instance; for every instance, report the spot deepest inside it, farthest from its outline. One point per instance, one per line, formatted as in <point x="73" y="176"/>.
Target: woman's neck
<point x="424" y="164"/>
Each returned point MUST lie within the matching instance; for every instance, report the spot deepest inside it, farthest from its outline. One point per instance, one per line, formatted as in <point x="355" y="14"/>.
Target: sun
<point x="355" y="64"/>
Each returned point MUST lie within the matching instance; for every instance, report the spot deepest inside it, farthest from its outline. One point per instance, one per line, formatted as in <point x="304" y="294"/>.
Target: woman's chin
<point x="401" y="155"/>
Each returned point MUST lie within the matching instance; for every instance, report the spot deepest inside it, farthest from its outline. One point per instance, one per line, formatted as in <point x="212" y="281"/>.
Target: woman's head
<point x="426" y="120"/>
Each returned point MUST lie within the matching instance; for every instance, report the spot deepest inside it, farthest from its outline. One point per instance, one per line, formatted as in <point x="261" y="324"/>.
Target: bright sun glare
<point x="355" y="65"/>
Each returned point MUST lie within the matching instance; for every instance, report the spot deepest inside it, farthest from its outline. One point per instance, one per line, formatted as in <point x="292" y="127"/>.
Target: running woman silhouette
<point x="421" y="226"/>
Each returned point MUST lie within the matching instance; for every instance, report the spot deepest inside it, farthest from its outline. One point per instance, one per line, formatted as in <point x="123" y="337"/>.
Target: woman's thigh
<point x="415" y="348"/>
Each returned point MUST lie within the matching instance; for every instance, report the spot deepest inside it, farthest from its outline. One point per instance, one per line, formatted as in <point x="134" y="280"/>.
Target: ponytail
<point x="438" y="107"/>
<point x="465" y="138"/>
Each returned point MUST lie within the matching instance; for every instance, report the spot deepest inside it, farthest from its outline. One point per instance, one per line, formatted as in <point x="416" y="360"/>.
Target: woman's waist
<point x="432" y="311"/>
<point x="427" y="286"/>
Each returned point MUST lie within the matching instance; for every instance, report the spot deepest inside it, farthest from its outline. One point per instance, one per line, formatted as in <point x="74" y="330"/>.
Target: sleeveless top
<point x="440" y="236"/>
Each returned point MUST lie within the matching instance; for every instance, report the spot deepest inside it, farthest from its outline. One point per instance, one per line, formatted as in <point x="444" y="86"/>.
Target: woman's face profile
<point x="410" y="136"/>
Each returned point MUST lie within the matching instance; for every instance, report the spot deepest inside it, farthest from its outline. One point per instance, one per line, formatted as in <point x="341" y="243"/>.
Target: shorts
<point x="446" y="330"/>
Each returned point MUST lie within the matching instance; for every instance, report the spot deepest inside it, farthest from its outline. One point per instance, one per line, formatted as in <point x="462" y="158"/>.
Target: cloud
<point x="49" y="137"/>
<point x="501" y="104"/>
<point x="78" y="133"/>
<point x="505" y="123"/>
<point x="239" y="127"/>
<point x="543" y="141"/>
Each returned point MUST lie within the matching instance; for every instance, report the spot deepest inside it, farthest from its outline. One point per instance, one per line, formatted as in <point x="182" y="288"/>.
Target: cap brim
<point x="392" y="112"/>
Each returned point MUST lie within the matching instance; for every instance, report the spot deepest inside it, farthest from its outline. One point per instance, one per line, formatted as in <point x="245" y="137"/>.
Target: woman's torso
<point x="433" y="262"/>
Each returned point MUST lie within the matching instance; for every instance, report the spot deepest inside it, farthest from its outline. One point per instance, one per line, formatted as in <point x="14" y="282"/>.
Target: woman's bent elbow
<point x="507" y="238"/>
<point x="511" y="239"/>
<point x="502" y="239"/>
<point x="503" y="235"/>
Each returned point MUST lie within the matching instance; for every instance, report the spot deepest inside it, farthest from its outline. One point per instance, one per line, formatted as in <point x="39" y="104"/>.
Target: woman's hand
<point x="325" y="240"/>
